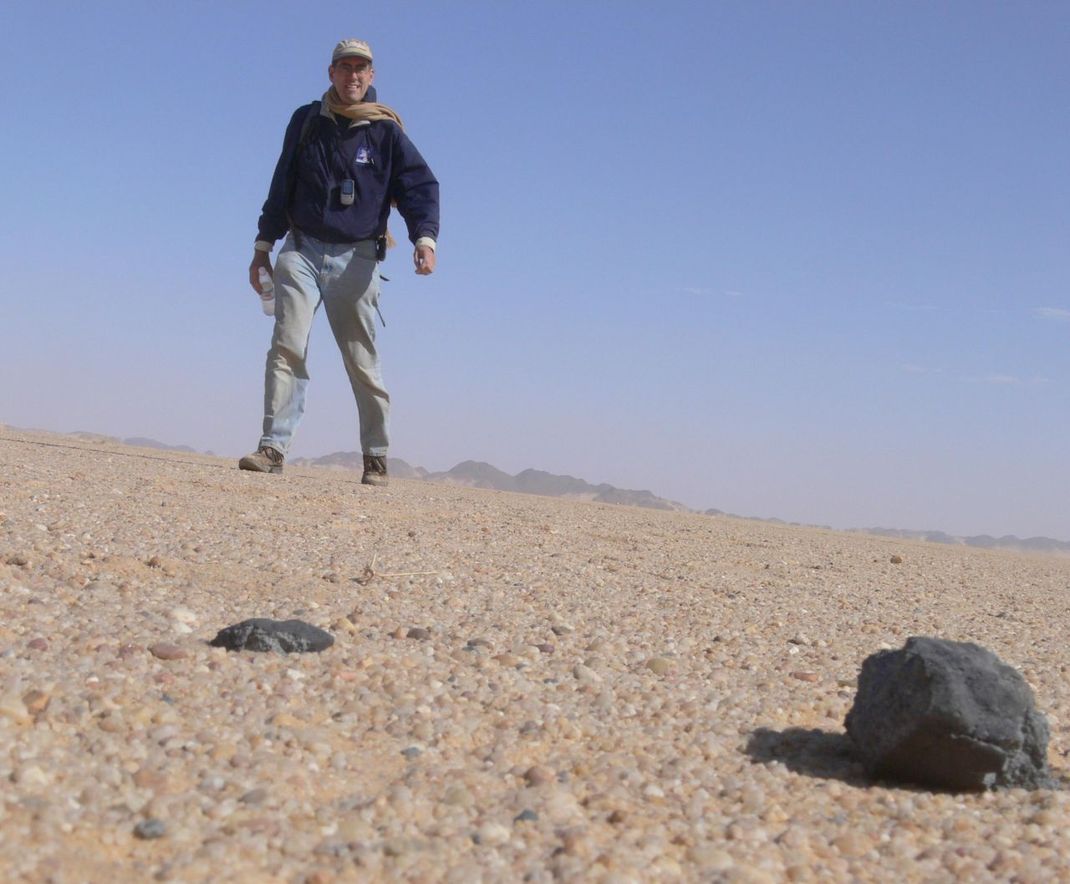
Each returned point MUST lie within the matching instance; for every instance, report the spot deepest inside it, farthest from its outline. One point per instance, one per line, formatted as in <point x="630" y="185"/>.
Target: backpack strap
<point x="306" y="133"/>
<point x="306" y="126"/>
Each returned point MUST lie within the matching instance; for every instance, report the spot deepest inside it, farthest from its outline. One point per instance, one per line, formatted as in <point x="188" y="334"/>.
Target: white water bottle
<point x="267" y="292"/>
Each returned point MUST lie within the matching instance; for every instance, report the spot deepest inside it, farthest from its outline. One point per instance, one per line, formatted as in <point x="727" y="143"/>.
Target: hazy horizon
<point x="796" y="261"/>
<point x="440" y="468"/>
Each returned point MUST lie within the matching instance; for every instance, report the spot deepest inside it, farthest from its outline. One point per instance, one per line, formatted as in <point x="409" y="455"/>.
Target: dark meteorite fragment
<point x="950" y="715"/>
<point x="281" y="636"/>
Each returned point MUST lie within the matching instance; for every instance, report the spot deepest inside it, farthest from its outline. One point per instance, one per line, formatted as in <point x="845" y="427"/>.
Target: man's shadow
<point x="812" y="752"/>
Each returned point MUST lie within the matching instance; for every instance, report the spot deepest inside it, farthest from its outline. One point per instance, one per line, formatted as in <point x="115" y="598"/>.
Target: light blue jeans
<point x="344" y="277"/>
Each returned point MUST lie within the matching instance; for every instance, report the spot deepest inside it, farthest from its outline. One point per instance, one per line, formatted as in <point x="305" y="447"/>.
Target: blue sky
<point x="804" y="260"/>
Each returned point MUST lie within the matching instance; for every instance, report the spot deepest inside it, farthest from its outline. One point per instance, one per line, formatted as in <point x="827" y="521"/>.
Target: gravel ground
<point x="521" y="688"/>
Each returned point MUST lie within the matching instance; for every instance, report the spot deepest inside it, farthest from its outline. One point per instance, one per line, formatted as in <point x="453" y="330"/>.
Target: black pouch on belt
<point x="380" y="248"/>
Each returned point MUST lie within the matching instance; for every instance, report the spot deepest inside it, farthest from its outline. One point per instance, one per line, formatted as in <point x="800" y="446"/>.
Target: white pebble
<point x="494" y="834"/>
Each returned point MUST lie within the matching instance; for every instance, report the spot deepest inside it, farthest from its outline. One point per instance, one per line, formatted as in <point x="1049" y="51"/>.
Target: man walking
<point x="344" y="161"/>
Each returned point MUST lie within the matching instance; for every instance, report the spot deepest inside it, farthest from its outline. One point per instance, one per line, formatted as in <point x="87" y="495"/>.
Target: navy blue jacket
<point x="384" y="164"/>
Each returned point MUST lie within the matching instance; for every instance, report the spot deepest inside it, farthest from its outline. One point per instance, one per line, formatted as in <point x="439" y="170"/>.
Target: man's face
<point x="351" y="78"/>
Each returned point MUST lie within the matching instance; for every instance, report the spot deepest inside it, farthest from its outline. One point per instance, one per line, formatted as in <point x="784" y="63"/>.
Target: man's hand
<point x="260" y="259"/>
<point x="424" y="259"/>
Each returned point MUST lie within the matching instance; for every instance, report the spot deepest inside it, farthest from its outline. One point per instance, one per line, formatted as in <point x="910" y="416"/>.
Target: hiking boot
<point x="374" y="471"/>
<point x="264" y="460"/>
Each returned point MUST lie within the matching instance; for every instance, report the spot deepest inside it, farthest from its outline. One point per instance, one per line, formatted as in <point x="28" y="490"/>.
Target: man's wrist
<point x="262" y="245"/>
<point x="425" y="241"/>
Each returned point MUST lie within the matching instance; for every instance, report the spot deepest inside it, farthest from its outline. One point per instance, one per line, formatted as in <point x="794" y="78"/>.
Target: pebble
<point x="150" y="829"/>
<point x="419" y="633"/>
<point x="457" y="796"/>
<point x="13" y="708"/>
<point x="37" y="644"/>
<point x="32" y="777"/>
<point x="539" y="775"/>
<point x="586" y="675"/>
<point x="183" y="615"/>
<point x="710" y="859"/>
<point x="659" y="665"/>
<point x="493" y="834"/>
<point x="112" y="723"/>
<point x="148" y="778"/>
<point x="168" y="651"/>
<point x="36" y="701"/>
<point x="852" y="845"/>
<point x="575" y="843"/>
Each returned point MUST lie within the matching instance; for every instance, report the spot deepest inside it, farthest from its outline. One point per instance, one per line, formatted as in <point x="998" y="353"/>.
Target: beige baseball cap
<point x="348" y="48"/>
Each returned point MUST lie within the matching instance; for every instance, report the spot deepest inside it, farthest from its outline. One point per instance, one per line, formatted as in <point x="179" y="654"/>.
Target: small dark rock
<point x="412" y="752"/>
<point x="950" y="715"/>
<point x="526" y="816"/>
<point x="545" y="648"/>
<point x="896" y="560"/>
<point x="281" y="636"/>
<point x="38" y="644"/>
<point x="418" y="632"/>
<point x="149" y="829"/>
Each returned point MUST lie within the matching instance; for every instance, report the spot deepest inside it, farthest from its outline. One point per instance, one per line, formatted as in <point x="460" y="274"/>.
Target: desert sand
<point x="521" y="688"/>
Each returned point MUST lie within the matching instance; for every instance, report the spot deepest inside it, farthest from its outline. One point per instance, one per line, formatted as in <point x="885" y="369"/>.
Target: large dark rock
<point x="281" y="636"/>
<point x="950" y="715"/>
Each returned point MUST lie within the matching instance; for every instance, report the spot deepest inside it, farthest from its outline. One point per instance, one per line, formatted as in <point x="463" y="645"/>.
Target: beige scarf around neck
<point x="361" y="111"/>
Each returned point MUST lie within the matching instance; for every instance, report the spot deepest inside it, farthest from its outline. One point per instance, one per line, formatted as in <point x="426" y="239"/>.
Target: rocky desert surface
<point x="520" y="689"/>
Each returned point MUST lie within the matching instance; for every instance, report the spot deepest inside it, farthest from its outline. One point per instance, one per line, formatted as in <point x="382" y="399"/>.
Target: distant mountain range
<point x="985" y="541"/>
<point x="476" y="474"/>
<point x="137" y="441"/>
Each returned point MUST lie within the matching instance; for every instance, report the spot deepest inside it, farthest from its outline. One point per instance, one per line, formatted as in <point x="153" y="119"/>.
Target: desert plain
<point x="520" y="688"/>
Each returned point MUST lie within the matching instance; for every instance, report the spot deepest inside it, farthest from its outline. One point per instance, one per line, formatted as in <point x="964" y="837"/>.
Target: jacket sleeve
<point x="274" y="221"/>
<point x="414" y="188"/>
